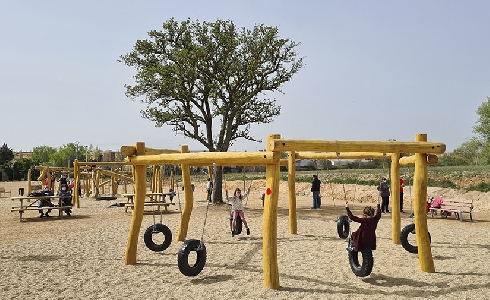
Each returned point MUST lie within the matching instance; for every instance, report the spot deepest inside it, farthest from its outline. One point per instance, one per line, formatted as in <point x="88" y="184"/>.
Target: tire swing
<point x="343" y="227"/>
<point x="238" y="223"/>
<point x="366" y="267"/>
<point x="410" y="229"/>
<point x="192" y="245"/>
<point x="156" y="229"/>
<point x="406" y="231"/>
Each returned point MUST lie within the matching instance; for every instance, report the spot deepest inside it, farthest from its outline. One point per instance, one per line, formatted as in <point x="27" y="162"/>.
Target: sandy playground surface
<point x="82" y="256"/>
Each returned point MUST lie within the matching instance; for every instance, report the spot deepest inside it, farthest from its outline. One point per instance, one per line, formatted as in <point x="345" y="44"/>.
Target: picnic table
<point x="32" y="204"/>
<point x="155" y="200"/>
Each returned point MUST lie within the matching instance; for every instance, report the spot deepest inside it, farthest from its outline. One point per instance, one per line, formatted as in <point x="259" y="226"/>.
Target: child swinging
<point x="237" y="207"/>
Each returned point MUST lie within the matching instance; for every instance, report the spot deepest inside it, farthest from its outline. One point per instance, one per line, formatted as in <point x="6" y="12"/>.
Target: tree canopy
<point x="210" y="81"/>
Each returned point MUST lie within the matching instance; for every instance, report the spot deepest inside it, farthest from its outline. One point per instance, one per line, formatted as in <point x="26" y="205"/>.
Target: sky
<point x="374" y="70"/>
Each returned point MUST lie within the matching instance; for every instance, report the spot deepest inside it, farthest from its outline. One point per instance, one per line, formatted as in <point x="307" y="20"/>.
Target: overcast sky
<point x="374" y="70"/>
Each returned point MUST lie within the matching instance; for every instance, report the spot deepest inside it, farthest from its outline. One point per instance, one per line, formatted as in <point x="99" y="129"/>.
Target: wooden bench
<point x="456" y="206"/>
<point x="33" y="204"/>
<point x="3" y="193"/>
<point x="152" y="204"/>
<point x="23" y="209"/>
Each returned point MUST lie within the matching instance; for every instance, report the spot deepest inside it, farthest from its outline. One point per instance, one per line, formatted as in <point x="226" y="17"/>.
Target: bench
<point x="21" y="210"/>
<point x="3" y="193"/>
<point x="33" y="201"/>
<point x="458" y="207"/>
<point x="157" y="204"/>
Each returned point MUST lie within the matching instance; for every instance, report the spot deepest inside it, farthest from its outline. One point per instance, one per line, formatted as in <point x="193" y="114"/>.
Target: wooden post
<point x="293" y="223"/>
<point x="395" y="199"/>
<point x="29" y="184"/>
<point x="139" y="206"/>
<point x="420" y="190"/>
<point x="269" y="244"/>
<point x="161" y="175"/>
<point x="188" y="198"/>
<point x="76" y="178"/>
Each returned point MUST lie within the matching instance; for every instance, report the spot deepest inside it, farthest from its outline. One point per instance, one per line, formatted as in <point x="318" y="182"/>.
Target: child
<point x="236" y="206"/>
<point x="365" y="235"/>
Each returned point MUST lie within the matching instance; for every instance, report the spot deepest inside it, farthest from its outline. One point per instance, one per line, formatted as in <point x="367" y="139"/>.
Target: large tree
<point x="210" y="81"/>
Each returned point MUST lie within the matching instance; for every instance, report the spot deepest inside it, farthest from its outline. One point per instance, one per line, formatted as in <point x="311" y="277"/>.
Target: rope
<point x="331" y="189"/>
<point x="382" y="175"/>
<point x="357" y="181"/>
<point x="342" y="177"/>
<point x="204" y="225"/>
<point x="182" y="224"/>
<point x="180" y="206"/>
<point x="410" y="192"/>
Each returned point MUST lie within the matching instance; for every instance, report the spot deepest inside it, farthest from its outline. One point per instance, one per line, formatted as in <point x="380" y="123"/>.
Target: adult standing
<point x="315" y="189"/>
<point x="402" y="185"/>
<point x="384" y="191"/>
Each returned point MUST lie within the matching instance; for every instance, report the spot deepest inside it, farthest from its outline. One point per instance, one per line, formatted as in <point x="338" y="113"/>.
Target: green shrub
<point x="481" y="187"/>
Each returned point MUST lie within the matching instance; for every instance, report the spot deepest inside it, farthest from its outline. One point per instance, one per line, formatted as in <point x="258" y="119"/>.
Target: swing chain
<point x="342" y="177"/>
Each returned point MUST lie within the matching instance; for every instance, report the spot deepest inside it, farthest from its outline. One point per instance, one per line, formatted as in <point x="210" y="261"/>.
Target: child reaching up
<point x="365" y="235"/>
<point x="237" y="207"/>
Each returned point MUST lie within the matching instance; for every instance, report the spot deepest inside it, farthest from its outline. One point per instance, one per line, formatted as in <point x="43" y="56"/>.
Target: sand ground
<point x="82" y="256"/>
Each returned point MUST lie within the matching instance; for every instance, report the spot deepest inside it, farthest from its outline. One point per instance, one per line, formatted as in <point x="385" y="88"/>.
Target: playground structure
<point x="96" y="179"/>
<point x="139" y="157"/>
<point x="46" y="174"/>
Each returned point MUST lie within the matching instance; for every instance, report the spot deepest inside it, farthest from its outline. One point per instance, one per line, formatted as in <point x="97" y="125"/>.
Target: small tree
<point x="6" y="157"/>
<point x="42" y="155"/>
<point x="209" y="81"/>
<point x="6" y="154"/>
<point x="482" y="128"/>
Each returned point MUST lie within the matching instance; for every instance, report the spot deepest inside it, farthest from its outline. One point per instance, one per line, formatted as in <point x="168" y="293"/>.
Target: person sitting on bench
<point x="45" y="202"/>
<point x="65" y="191"/>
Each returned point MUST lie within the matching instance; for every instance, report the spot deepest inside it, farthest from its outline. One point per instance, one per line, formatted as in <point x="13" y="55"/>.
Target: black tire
<point x="343" y="227"/>
<point x="183" y="257"/>
<point x="238" y="224"/>
<point x="364" y="269"/>
<point x="406" y="231"/>
<point x="155" y="229"/>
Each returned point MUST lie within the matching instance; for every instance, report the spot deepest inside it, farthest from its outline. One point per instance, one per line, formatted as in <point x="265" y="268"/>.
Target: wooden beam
<point x="205" y="158"/>
<point x="131" y="151"/>
<point x="432" y="159"/>
<point x="343" y="155"/>
<point x="357" y="146"/>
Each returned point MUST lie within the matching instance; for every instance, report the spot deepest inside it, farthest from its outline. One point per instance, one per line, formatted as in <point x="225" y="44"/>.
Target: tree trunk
<point x="218" y="184"/>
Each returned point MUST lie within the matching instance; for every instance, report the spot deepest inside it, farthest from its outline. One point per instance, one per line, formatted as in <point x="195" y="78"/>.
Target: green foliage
<point x="42" y="155"/>
<point x="6" y="154"/>
<point x="190" y="74"/>
<point x="482" y="127"/>
<point x="21" y="168"/>
<point x="481" y="187"/>
<point x="444" y="183"/>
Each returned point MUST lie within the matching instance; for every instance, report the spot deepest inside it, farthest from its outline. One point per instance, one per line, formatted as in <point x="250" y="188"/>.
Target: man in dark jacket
<point x="315" y="188"/>
<point x="384" y="191"/>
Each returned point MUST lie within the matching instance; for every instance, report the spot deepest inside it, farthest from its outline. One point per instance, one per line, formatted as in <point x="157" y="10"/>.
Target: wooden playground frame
<point x="139" y="157"/>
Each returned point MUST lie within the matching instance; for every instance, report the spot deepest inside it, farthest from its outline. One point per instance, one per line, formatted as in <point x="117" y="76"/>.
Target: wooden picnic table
<point x="156" y="199"/>
<point x="32" y="204"/>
